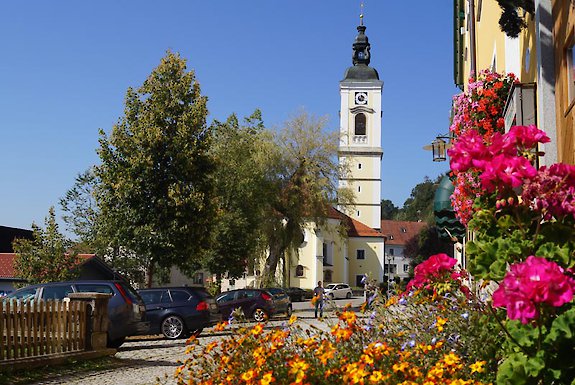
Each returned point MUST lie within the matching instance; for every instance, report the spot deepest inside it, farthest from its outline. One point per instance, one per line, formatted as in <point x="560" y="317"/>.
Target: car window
<point x="151" y="296"/>
<point x="227" y="297"/>
<point x="179" y="295"/>
<point x="24" y="294"/>
<point x="330" y="286"/>
<point x="94" y="288"/>
<point x="165" y="297"/>
<point x="56" y="292"/>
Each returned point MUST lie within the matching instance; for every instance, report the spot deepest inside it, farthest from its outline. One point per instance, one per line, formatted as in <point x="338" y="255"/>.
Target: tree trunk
<point x="276" y="252"/>
<point x="150" y="274"/>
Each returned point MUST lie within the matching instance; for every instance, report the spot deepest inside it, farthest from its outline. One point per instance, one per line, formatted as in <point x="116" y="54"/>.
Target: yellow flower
<point x="292" y="319"/>
<point x="440" y="322"/>
<point x="368" y="360"/>
<point x="267" y="379"/>
<point x="477" y="367"/>
<point x="249" y="375"/>
<point x="400" y="367"/>
<point x="451" y="359"/>
<point x="377" y="376"/>
<point x="298" y="367"/>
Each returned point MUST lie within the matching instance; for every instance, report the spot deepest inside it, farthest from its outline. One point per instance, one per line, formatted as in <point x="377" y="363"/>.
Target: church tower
<point x="360" y="133"/>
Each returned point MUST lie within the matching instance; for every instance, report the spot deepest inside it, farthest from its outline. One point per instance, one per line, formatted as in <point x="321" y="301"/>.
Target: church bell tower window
<point x="360" y="124"/>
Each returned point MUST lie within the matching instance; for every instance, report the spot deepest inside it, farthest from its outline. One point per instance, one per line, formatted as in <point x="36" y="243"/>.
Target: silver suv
<point x="126" y="310"/>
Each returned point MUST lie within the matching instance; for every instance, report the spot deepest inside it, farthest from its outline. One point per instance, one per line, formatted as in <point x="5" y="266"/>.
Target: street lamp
<point x="439" y="147"/>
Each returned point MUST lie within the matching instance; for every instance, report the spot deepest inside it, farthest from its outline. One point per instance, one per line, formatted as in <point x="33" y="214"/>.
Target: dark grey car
<point x="126" y="310"/>
<point x="180" y="311"/>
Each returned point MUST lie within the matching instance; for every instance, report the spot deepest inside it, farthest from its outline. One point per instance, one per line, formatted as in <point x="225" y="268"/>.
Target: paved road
<point x="147" y="359"/>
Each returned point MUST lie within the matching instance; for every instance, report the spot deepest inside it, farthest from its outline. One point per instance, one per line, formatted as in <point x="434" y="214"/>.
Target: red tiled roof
<point x="7" y="263"/>
<point x="354" y="228"/>
<point x="399" y="232"/>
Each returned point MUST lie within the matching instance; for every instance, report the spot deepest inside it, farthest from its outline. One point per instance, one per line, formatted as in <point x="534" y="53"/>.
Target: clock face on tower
<point x="361" y="98"/>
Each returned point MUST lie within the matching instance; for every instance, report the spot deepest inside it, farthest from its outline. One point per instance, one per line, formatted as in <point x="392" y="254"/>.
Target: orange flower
<point x="349" y="317"/>
<point x="267" y="378"/>
<point x="257" y="329"/>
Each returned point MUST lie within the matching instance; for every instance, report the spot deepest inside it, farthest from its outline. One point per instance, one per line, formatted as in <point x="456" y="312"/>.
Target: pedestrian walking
<point x="318" y="294"/>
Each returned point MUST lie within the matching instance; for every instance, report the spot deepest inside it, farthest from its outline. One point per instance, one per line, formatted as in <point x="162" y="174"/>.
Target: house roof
<point x="354" y="227"/>
<point x="7" y="263"/>
<point x="400" y="232"/>
<point x="7" y="236"/>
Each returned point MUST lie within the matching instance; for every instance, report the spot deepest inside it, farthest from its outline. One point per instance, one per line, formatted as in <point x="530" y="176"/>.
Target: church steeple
<point x="361" y="47"/>
<point x="361" y="57"/>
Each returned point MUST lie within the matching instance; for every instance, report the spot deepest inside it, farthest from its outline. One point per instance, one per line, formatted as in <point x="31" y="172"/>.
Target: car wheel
<point x="348" y="295"/>
<point x="289" y="311"/>
<point x="260" y="315"/>
<point x="173" y="327"/>
<point x="331" y="296"/>
<point x="115" y="344"/>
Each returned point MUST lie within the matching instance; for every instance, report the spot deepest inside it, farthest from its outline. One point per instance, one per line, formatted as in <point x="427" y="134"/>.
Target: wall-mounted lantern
<point x="439" y="147"/>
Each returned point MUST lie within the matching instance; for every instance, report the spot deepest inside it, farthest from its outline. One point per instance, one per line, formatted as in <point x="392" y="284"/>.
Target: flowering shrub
<point x="479" y="111"/>
<point x="437" y="276"/>
<point x="524" y="238"/>
<point x="411" y="339"/>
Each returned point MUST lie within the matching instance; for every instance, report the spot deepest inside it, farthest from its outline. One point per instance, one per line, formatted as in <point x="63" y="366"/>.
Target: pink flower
<point x="552" y="191"/>
<point x="438" y="267"/>
<point x="531" y="283"/>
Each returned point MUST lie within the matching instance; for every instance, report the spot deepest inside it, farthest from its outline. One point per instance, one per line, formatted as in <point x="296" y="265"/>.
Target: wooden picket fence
<point x="41" y="328"/>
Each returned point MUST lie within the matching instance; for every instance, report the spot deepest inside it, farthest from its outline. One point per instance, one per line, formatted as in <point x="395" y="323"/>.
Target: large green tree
<point x="306" y="177"/>
<point x="243" y="185"/>
<point x="155" y="190"/>
<point x="46" y="257"/>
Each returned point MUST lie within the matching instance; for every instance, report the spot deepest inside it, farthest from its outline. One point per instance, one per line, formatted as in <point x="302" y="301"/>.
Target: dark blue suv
<point x="177" y="312"/>
<point x="126" y="310"/>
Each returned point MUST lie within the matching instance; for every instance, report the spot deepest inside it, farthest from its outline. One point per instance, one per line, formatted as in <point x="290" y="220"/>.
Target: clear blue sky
<point x="66" y="66"/>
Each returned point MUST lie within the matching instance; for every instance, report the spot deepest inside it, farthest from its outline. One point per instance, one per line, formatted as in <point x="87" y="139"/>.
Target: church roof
<point x="354" y="228"/>
<point x="400" y="232"/>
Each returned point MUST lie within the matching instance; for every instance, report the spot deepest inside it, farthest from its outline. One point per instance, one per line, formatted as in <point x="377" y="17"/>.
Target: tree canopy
<point x="306" y="177"/>
<point x="155" y="191"/>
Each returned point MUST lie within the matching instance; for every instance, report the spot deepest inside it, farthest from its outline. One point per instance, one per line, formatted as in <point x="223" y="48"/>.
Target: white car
<point x="338" y="290"/>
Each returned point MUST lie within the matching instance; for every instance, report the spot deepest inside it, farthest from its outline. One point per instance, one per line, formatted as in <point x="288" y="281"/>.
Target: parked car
<point x="258" y="304"/>
<point x="297" y="294"/>
<point x="338" y="290"/>
<point x="178" y="312"/>
<point x="282" y="300"/>
<point x="126" y="309"/>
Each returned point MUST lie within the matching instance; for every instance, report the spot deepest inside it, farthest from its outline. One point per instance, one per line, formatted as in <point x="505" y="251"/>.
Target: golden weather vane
<point x="361" y="13"/>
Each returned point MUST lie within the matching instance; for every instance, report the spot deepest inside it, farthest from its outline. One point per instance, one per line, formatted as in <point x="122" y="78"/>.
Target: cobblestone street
<point x="152" y="360"/>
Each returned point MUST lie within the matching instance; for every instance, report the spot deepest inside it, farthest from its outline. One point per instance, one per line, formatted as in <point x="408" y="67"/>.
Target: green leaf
<point x="555" y="252"/>
<point x="563" y="327"/>
<point x="512" y="370"/>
